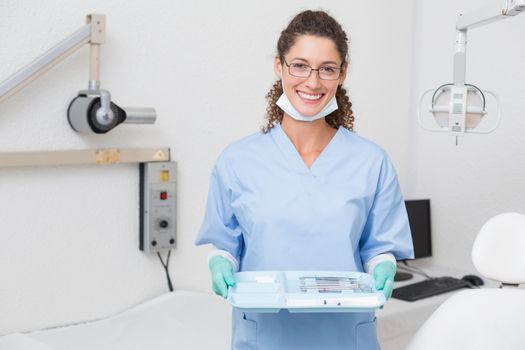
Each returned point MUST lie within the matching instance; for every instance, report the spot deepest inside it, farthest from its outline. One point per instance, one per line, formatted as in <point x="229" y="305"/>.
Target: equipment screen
<point x="419" y="219"/>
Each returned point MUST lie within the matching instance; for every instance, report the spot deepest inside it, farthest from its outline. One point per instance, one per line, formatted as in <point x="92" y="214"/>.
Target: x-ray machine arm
<point x="477" y="19"/>
<point x="450" y="102"/>
<point x="92" y="110"/>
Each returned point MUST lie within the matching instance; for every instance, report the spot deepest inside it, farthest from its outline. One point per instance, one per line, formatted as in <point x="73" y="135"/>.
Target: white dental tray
<point x="305" y="291"/>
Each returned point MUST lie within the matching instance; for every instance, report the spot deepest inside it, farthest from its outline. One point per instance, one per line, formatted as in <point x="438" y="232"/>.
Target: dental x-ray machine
<point x="92" y="111"/>
<point x="459" y="107"/>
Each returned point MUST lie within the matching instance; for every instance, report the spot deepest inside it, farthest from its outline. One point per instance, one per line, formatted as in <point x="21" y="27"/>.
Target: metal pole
<point x="42" y="64"/>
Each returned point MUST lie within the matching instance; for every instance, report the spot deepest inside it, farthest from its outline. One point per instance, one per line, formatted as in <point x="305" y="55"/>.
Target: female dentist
<point x="306" y="193"/>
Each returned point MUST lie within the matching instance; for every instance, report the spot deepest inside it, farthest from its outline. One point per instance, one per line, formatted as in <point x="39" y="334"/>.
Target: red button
<point x="164" y="195"/>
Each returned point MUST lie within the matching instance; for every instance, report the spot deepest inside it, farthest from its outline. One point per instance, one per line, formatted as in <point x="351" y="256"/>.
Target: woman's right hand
<point x="221" y="275"/>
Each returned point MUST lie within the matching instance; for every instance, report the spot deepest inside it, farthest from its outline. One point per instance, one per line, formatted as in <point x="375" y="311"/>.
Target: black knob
<point x="153" y="243"/>
<point x="172" y="241"/>
<point x="163" y="223"/>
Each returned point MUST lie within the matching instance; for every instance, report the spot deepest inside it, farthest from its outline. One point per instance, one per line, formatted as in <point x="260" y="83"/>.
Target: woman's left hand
<point x="384" y="274"/>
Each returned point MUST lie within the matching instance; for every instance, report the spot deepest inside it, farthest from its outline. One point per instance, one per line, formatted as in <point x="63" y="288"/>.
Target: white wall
<point x="69" y="236"/>
<point x="484" y="175"/>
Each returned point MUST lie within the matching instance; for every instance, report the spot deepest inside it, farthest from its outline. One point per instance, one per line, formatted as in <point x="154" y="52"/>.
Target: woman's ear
<point x="343" y="73"/>
<point x="278" y="68"/>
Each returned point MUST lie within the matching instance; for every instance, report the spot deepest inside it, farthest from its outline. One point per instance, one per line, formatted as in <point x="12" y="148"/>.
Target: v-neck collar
<point x="294" y="159"/>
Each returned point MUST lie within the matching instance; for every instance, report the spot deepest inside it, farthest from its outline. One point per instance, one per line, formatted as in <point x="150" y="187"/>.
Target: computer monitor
<point x="418" y="211"/>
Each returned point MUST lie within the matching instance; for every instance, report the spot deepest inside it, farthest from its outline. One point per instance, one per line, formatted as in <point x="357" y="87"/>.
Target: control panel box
<point x="158" y="206"/>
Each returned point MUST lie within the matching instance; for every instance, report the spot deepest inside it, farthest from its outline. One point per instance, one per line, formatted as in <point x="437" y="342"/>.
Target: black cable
<point x="414" y="269"/>
<point x="170" y="286"/>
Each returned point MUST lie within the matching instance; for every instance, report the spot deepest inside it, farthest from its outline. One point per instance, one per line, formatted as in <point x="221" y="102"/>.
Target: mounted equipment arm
<point x="92" y="110"/>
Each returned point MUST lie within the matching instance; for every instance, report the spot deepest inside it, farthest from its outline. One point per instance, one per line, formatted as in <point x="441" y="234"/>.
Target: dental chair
<point x="486" y="318"/>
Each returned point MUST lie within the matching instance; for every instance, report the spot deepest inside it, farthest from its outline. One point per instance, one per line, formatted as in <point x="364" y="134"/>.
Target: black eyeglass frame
<point x="340" y="69"/>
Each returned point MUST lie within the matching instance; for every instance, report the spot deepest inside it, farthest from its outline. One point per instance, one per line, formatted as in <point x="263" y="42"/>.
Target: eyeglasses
<point x="301" y="70"/>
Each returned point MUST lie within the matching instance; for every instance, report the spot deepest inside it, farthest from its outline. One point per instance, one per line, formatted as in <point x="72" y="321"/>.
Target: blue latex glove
<point x="221" y="275"/>
<point x="384" y="274"/>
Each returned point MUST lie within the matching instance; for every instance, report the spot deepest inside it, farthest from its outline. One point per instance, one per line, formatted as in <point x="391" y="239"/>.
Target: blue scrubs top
<point x="272" y="212"/>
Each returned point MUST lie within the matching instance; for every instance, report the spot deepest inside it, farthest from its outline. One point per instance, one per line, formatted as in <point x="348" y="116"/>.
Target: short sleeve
<point x="220" y="227"/>
<point x="387" y="229"/>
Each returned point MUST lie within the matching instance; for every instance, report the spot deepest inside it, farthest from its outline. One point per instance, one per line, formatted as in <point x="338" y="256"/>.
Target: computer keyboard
<point x="428" y="288"/>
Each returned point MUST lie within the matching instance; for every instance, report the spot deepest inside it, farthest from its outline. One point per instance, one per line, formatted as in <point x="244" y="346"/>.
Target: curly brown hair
<point x="321" y="24"/>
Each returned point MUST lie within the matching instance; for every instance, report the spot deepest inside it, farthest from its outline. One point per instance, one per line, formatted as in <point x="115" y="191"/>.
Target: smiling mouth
<point x="309" y="97"/>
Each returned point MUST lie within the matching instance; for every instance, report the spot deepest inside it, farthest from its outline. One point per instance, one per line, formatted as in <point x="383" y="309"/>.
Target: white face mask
<point x="284" y="103"/>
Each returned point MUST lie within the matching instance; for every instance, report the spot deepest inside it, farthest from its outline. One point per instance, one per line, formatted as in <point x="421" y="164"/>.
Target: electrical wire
<point x="413" y="269"/>
<point x="170" y="286"/>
